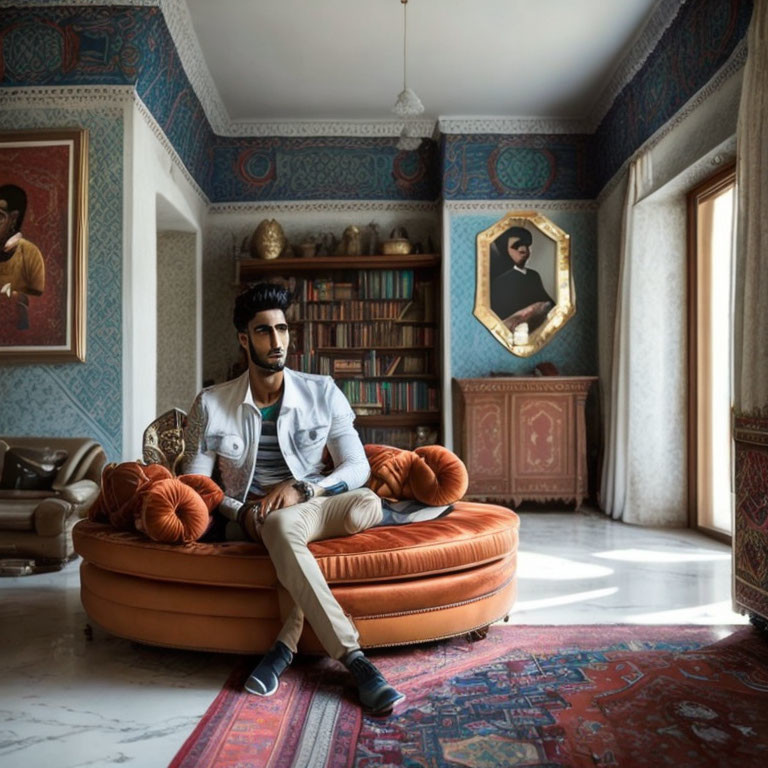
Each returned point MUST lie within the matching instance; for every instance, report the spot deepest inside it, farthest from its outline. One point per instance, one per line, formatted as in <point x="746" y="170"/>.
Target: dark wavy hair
<point x="520" y="234"/>
<point x="16" y="198"/>
<point x="258" y="298"/>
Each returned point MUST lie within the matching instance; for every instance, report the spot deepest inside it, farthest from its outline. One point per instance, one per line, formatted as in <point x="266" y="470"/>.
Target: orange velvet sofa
<point x="400" y="584"/>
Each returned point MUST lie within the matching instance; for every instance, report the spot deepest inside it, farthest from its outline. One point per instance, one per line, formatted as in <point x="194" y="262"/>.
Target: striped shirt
<point x="270" y="468"/>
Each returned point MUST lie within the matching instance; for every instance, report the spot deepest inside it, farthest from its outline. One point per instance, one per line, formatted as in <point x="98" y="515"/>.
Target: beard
<point x="264" y="364"/>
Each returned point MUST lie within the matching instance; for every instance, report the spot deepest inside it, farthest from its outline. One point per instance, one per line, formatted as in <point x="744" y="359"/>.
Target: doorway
<point x="177" y="378"/>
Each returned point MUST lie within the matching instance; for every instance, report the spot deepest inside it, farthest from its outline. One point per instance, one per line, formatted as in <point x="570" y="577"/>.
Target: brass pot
<point x="398" y="245"/>
<point x="268" y="240"/>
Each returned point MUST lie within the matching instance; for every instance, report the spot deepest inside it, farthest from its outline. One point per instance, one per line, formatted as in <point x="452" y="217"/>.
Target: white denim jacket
<point x="224" y="425"/>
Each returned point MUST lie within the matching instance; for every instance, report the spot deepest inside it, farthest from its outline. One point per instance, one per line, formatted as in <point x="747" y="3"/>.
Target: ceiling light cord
<point x="405" y="39"/>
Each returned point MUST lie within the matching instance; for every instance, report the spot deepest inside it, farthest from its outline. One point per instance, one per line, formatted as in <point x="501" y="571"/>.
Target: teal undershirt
<point x="269" y="412"/>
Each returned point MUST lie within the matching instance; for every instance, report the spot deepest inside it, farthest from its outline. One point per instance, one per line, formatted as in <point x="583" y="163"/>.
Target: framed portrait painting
<point x="43" y="245"/>
<point x="524" y="289"/>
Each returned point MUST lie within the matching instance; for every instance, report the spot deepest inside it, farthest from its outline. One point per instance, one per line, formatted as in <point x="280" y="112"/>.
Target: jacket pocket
<point x="312" y="436"/>
<point x="228" y="446"/>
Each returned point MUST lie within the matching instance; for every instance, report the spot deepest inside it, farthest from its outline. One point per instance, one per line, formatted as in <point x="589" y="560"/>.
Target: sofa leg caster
<point x="478" y="634"/>
<point x="88" y="632"/>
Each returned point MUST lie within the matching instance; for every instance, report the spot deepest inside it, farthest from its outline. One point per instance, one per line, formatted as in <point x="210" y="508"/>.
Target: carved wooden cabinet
<point x="523" y="438"/>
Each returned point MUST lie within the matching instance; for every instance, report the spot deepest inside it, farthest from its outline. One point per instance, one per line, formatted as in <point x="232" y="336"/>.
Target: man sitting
<point x="265" y="433"/>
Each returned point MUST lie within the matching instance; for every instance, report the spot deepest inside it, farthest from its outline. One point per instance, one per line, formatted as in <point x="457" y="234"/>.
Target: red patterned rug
<point x="618" y="695"/>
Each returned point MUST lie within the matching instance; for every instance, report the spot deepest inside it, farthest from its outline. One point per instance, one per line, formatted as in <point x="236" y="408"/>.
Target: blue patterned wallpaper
<point x="273" y="169"/>
<point x="89" y="45"/>
<point x="475" y="352"/>
<point x="99" y="45"/>
<point x="694" y="47"/>
<point x="493" y="167"/>
<point x="131" y="45"/>
<point x="80" y="398"/>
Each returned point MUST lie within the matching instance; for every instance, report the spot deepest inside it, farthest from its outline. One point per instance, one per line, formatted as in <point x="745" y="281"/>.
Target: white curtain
<point x="616" y="466"/>
<point x="751" y="280"/>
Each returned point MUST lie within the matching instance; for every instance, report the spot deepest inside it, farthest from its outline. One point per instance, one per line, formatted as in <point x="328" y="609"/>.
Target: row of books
<point x="322" y="289"/>
<point x="386" y="284"/>
<point x="373" y="364"/>
<point x="375" y="309"/>
<point x="364" y="364"/>
<point x="365" y="334"/>
<point x="400" y="396"/>
<point x="366" y="284"/>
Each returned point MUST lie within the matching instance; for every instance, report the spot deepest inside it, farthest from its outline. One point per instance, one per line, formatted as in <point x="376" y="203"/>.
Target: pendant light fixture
<point x="408" y="104"/>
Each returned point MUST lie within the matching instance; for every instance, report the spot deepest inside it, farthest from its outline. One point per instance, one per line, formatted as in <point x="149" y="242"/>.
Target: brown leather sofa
<point x="36" y="523"/>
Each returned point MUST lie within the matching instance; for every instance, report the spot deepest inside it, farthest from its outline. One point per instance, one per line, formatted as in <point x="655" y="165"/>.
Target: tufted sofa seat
<point x="400" y="584"/>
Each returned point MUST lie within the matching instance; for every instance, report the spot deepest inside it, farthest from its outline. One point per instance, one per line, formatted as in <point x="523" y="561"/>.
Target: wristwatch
<point x="306" y="488"/>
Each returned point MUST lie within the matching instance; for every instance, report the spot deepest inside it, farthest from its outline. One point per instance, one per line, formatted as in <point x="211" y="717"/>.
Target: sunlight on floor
<point x="551" y="602"/>
<point x="533" y="565"/>
<point x="586" y="569"/>
<point x="661" y="556"/>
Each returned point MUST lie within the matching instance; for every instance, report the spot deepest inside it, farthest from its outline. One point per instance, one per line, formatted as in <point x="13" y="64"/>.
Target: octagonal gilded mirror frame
<point x="527" y="323"/>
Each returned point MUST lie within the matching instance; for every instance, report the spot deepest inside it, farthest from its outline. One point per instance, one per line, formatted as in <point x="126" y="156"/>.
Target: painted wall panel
<point x="277" y="169"/>
<point x="500" y="166"/>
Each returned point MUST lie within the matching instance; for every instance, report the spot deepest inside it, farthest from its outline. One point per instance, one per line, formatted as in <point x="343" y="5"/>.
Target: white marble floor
<point x="67" y="701"/>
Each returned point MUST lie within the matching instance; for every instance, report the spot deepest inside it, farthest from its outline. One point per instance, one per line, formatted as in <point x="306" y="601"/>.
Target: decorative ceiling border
<point x="168" y="147"/>
<point x="326" y="206"/>
<point x="512" y="125"/>
<point x="736" y="61"/>
<point x="307" y="128"/>
<point x="68" y="97"/>
<point x="486" y="206"/>
<point x="182" y="32"/>
<point x="632" y="61"/>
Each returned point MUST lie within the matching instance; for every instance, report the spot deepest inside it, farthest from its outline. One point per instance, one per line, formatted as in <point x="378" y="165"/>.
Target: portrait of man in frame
<point x="524" y="289"/>
<point x="43" y="245"/>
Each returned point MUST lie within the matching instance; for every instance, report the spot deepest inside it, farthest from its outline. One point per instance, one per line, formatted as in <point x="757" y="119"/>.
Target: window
<point x="710" y="323"/>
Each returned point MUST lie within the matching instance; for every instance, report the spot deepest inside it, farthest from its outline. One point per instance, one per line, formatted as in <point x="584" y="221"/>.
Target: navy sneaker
<point x="376" y="695"/>
<point x="264" y="680"/>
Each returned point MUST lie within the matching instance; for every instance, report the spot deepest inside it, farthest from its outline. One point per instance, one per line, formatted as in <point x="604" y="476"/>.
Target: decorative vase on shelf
<point x="268" y="240"/>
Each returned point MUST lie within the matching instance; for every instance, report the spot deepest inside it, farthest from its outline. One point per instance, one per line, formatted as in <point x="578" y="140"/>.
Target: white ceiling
<point x="276" y="60"/>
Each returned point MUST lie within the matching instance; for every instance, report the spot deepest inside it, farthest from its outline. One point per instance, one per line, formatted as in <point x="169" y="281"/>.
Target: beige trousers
<point x="286" y="533"/>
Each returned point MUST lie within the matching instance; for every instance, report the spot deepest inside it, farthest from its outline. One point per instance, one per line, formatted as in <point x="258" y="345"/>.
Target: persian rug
<point x="617" y="695"/>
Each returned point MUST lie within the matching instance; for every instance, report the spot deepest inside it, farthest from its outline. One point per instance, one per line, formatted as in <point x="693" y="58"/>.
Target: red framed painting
<point x="43" y="245"/>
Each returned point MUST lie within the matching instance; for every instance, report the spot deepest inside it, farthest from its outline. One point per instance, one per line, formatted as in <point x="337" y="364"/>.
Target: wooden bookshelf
<point x="250" y="270"/>
<point x="412" y="419"/>
<point x="387" y="364"/>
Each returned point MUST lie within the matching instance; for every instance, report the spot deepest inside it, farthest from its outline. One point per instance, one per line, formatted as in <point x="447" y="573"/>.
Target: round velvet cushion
<point x="119" y="500"/>
<point x="156" y="472"/>
<point x="207" y="489"/>
<point x="389" y="470"/>
<point x="431" y="474"/>
<point x="438" y="476"/>
<point x="173" y="513"/>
